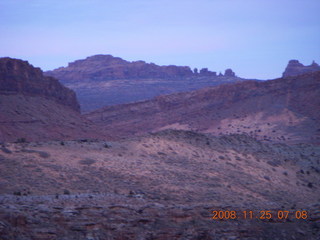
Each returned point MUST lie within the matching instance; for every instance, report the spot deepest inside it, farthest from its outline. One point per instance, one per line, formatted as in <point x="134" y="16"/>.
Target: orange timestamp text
<point x="262" y="214"/>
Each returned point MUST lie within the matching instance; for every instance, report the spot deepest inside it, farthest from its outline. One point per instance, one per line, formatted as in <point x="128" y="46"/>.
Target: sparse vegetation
<point x="174" y="168"/>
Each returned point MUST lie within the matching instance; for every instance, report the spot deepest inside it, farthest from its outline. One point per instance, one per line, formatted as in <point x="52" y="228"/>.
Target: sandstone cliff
<point x="295" y="68"/>
<point x="17" y="76"/>
<point x="103" y="80"/>
<point x="38" y="108"/>
<point x="102" y="67"/>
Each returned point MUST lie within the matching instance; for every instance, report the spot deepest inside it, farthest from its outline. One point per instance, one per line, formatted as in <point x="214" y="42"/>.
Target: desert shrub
<point x="267" y="178"/>
<point x="106" y="145"/>
<point x="43" y="154"/>
<point x="21" y="140"/>
<point x="66" y="192"/>
<point x="274" y="163"/>
<point x="6" y="150"/>
<point x="62" y="143"/>
<point x="87" y="161"/>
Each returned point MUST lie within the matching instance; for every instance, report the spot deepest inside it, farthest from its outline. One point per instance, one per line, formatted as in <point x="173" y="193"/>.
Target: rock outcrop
<point x="38" y="108"/>
<point x="229" y="73"/>
<point x="17" y="76"/>
<point x="102" y="67"/>
<point x="295" y="68"/>
<point x="206" y="72"/>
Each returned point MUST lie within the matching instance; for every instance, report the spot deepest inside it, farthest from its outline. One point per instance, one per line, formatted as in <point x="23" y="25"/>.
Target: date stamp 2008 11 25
<point x="260" y="215"/>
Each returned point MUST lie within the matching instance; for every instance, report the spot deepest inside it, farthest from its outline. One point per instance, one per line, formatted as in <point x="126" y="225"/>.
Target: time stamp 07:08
<point x="262" y="215"/>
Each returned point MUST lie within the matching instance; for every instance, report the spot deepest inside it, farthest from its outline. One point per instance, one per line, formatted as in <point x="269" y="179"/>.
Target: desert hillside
<point x="161" y="186"/>
<point x="281" y="110"/>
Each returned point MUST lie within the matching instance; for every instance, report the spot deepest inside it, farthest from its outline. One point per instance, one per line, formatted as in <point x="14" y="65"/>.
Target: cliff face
<point x="38" y="108"/>
<point x="103" y="80"/>
<point x="17" y="76"/>
<point x="295" y="68"/>
<point x="102" y="67"/>
<point x="282" y="110"/>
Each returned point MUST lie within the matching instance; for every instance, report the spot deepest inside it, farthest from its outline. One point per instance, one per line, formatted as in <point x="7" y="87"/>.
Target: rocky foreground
<point x="161" y="186"/>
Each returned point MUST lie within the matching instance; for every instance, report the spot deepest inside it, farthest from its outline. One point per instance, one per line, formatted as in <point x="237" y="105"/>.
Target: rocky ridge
<point x="295" y="68"/>
<point x="104" y="67"/>
<point x="103" y="80"/>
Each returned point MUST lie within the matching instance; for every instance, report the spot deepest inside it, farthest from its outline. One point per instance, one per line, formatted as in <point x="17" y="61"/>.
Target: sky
<point x="256" y="38"/>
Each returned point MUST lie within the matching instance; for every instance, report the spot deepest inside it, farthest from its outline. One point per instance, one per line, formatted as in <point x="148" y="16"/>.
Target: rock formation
<point x="102" y="67"/>
<point x="103" y="80"/>
<point x="206" y="72"/>
<point x="38" y="108"/>
<point x="295" y="68"/>
<point x="17" y="76"/>
<point x="229" y="73"/>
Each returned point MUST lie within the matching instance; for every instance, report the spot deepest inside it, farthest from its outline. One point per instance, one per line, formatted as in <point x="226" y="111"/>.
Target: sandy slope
<point x="178" y="176"/>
